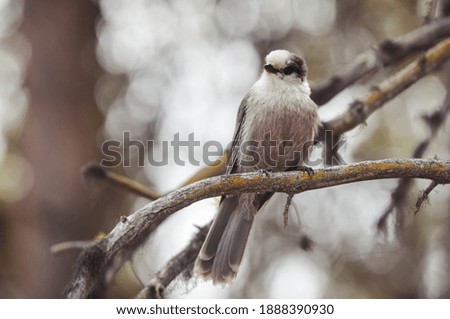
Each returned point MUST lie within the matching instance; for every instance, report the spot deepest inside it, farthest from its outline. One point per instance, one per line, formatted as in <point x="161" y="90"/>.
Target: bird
<point x="276" y="123"/>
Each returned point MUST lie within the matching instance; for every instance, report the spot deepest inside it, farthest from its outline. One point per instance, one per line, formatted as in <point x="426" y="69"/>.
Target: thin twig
<point x="397" y="201"/>
<point x="424" y="195"/>
<point x="286" y="210"/>
<point x="113" y="250"/>
<point x="69" y="246"/>
<point x="102" y="173"/>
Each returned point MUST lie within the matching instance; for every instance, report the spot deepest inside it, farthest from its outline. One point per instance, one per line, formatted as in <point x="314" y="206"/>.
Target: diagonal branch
<point x="101" y="173"/>
<point x="361" y="109"/>
<point x="94" y="263"/>
<point x="184" y="261"/>
<point x="424" y="195"/>
<point x="387" y="53"/>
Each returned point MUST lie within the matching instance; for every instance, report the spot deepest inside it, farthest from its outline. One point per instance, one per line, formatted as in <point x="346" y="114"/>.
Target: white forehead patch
<point x="278" y="58"/>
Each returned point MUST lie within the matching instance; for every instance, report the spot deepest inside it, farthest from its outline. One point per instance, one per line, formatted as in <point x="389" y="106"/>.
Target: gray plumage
<point x="276" y="123"/>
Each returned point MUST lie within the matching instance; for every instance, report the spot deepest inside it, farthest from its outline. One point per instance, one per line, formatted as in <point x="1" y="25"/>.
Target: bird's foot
<point x="303" y="168"/>
<point x="266" y="171"/>
<point x="308" y="170"/>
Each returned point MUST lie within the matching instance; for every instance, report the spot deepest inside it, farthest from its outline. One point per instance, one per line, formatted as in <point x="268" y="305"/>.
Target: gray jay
<point x="276" y="123"/>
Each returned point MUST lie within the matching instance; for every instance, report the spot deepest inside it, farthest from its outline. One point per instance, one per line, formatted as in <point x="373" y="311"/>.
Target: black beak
<point x="269" y="68"/>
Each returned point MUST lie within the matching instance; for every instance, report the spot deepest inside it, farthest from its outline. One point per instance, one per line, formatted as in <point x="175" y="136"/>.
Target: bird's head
<point x="286" y="66"/>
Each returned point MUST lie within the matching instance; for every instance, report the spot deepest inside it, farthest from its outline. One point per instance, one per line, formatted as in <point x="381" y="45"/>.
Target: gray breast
<point x="278" y="137"/>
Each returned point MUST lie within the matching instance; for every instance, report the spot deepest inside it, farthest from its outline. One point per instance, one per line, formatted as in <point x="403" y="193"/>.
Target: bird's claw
<point x="266" y="171"/>
<point x="308" y="170"/>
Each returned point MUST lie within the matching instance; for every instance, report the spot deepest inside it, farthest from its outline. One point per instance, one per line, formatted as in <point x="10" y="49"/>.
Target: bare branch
<point x="397" y="201"/>
<point x="434" y="122"/>
<point x="101" y="173"/>
<point x="387" y="53"/>
<point x="286" y="210"/>
<point x="181" y="263"/>
<point x="69" y="246"/>
<point x="94" y="263"/>
<point x="424" y="195"/>
<point x="360" y="110"/>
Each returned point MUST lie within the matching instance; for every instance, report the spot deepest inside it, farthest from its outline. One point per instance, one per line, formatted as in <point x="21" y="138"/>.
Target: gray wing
<point x="233" y="160"/>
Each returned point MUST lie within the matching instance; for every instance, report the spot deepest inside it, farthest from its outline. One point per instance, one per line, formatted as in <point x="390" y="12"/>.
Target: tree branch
<point x="387" y="53"/>
<point x="69" y="246"/>
<point x="98" y="172"/>
<point x="360" y="110"/>
<point x="182" y="262"/>
<point x="94" y="262"/>
<point x="434" y="122"/>
<point x="424" y="195"/>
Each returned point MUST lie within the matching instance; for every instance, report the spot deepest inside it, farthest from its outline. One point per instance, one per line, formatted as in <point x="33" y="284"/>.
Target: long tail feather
<point x="224" y="247"/>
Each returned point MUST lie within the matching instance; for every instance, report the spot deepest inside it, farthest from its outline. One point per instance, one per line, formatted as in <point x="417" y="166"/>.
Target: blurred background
<point x="74" y="74"/>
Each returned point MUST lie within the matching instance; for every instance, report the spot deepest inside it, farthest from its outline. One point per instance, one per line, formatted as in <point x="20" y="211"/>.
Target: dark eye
<point x="289" y="70"/>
